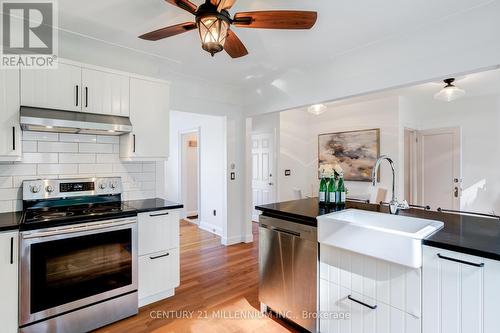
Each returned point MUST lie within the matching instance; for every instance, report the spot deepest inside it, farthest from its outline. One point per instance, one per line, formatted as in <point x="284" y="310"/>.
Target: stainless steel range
<point x="78" y="253"/>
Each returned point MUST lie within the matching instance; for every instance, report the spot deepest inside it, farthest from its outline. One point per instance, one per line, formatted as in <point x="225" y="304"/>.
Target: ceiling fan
<point x="213" y="22"/>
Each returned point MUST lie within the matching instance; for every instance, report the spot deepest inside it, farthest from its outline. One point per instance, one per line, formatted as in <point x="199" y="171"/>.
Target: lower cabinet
<point x="361" y="294"/>
<point x="460" y="292"/>
<point x="159" y="269"/>
<point x="9" y="281"/>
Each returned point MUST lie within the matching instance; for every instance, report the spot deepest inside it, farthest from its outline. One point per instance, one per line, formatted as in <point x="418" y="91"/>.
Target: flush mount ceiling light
<point x="450" y="92"/>
<point x="213" y="22"/>
<point x="316" y="109"/>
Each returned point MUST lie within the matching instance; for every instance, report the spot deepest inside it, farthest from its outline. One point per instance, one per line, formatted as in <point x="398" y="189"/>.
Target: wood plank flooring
<point x="212" y="275"/>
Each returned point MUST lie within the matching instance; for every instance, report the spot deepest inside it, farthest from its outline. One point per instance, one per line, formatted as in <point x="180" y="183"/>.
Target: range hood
<point x="51" y="120"/>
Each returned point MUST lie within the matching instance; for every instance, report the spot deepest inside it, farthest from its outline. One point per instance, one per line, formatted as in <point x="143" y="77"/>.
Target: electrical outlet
<point x="215" y="212"/>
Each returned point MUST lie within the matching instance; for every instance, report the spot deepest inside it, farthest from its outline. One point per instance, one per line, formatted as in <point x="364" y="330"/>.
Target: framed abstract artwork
<point x="355" y="152"/>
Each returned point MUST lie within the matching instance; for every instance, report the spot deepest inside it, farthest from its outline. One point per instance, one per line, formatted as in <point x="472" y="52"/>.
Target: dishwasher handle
<point x="278" y="229"/>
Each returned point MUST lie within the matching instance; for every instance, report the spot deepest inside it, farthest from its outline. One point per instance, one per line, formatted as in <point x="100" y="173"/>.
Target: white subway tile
<point x="95" y="168"/>
<point x="40" y="136"/>
<point x="143" y="177"/>
<point x="5" y="182"/>
<point x="131" y="186"/>
<point x="107" y="158"/>
<point x="40" y="158"/>
<point x="149" y="167"/>
<point x="116" y="148"/>
<point x="58" y="147"/>
<point x="78" y="175"/>
<point x="77" y="138"/>
<point x="29" y="146"/>
<point x="17" y="205"/>
<point x="127" y="167"/>
<point x="5" y="206"/>
<point x="138" y="195"/>
<point x="57" y="169"/>
<point x="96" y="148"/>
<point x="108" y="139"/>
<point x="10" y="193"/>
<point x="17" y="169"/>
<point x="148" y="186"/>
<point x="76" y="158"/>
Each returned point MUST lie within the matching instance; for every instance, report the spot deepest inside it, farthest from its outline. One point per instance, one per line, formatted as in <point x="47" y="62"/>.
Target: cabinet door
<point x="10" y="132"/>
<point x="105" y="93"/>
<point x="149" y="114"/>
<point x="52" y="88"/>
<point x="9" y="281"/>
<point x="459" y="296"/>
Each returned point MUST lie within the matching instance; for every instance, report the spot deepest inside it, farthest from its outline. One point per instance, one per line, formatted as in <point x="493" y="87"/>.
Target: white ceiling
<point x="342" y="26"/>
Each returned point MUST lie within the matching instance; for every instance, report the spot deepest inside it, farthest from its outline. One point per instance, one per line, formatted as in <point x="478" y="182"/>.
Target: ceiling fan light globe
<point x="213" y="33"/>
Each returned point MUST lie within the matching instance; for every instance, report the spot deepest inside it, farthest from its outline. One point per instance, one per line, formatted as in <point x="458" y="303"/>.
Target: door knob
<point x="271" y="184"/>
<point x="456" y="192"/>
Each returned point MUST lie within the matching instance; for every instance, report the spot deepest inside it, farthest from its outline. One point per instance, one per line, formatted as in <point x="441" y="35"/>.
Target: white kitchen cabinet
<point x="149" y="114"/>
<point x="59" y="88"/>
<point x="393" y="289"/>
<point x="9" y="281"/>
<point x="105" y="92"/>
<point x="10" y="131"/>
<point x="459" y="296"/>
<point x="159" y="270"/>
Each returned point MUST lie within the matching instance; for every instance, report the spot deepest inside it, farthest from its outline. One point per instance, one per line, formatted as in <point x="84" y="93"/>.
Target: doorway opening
<point x="190" y="170"/>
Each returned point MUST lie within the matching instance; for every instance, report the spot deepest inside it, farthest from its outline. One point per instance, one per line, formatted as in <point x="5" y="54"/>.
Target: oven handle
<point x="71" y="230"/>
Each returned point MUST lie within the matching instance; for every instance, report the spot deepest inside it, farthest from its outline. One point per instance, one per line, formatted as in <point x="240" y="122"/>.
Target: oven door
<point x="69" y="267"/>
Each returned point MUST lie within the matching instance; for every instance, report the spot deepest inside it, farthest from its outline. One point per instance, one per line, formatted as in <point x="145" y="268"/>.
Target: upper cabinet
<point x="105" y="93"/>
<point x="74" y="87"/>
<point x="10" y="132"/>
<point x="52" y="88"/>
<point x="149" y="114"/>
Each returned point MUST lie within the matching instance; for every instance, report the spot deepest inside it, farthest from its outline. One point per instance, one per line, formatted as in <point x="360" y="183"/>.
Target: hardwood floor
<point x="211" y="275"/>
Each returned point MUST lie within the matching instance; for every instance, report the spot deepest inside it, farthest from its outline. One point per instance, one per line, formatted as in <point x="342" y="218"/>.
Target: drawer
<point x="158" y="272"/>
<point x="158" y="231"/>
<point x="392" y="284"/>
<point x="341" y="311"/>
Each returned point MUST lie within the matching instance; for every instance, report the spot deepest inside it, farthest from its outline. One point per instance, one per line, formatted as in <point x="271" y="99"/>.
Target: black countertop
<point x="151" y="205"/>
<point x="473" y="235"/>
<point x="10" y="221"/>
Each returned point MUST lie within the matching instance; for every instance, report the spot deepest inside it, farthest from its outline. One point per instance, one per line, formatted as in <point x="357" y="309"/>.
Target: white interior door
<point x="440" y="167"/>
<point x="263" y="174"/>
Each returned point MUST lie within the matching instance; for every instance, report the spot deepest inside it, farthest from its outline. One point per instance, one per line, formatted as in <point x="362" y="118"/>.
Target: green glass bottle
<point x="332" y="192"/>
<point x="341" y="191"/>
<point x="322" y="191"/>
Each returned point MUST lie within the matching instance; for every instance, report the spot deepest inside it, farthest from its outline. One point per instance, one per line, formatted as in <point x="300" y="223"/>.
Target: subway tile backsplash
<point x="54" y="155"/>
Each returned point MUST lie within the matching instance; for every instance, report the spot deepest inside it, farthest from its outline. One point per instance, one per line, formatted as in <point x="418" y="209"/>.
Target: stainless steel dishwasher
<point x="288" y="253"/>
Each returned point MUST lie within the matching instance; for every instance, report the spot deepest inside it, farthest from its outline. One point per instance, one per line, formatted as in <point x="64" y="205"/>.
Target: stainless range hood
<point x="50" y="120"/>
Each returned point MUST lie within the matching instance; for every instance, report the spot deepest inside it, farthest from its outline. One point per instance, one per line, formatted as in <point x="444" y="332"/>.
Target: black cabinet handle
<point x="76" y="95"/>
<point x="373" y="307"/>
<point x="460" y="261"/>
<point x="160" y="256"/>
<point x="11" y="250"/>
<point x="13" y="137"/>
<point x="86" y="96"/>
<point x="160" y="214"/>
<point x="133" y="137"/>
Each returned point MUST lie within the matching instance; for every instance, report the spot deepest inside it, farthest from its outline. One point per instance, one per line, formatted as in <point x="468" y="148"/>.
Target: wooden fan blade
<point x="184" y="4"/>
<point x="276" y="19"/>
<point x="169" y="31"/>
<point x="233" y="45"/>
<point x="225" y="4"/>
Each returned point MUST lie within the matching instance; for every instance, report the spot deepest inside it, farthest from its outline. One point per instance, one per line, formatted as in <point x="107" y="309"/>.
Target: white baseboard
<point x="192" y="213"/>
<point x="156" y="297"/>
<point x="210" y="228"/>
<point x="236" y="240"/>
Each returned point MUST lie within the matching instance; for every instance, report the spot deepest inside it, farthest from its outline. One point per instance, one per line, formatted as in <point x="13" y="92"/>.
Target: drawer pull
<point x="160" y="256"/>
<point x="160" y="214"/>
<point x="460" y="261"/>
<point x="12" y="250"/>
<point x="373" y="307"/>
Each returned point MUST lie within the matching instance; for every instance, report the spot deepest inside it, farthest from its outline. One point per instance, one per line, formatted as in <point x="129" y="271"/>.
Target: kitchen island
<point x="455" y="289"/>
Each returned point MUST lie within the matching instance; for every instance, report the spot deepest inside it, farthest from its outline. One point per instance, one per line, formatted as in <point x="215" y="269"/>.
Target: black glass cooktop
<point x="49" y="213"/>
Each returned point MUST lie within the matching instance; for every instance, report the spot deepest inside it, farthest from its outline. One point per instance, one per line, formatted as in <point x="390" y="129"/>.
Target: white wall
<point x="479" y="120"/>
<point x="212" y="164"/>
<point x="189" y="167"/>
<point x="299" y="132"/>
<point x="54" y="155"/>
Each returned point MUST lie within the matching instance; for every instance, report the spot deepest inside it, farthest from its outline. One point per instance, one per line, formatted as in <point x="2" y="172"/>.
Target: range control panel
<point x="62" y="188"/>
